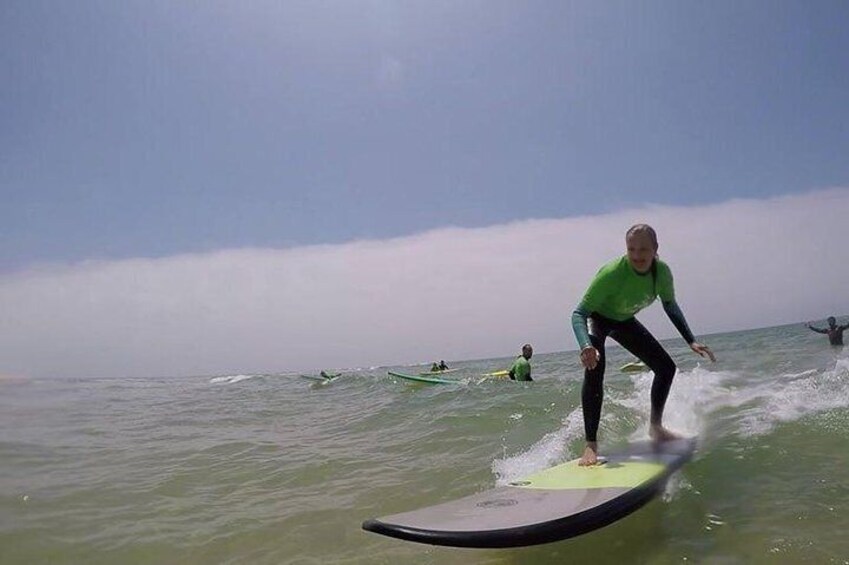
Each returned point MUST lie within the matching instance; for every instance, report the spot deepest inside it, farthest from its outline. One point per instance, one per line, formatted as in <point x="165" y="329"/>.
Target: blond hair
<point x="642" y="229"/>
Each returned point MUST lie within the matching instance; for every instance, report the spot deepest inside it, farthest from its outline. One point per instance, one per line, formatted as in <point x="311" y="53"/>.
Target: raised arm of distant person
<point x="812" y="328"/>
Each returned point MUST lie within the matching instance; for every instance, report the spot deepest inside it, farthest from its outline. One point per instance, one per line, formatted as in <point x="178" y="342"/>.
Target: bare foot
<point x="661" y="434"/>
<point x="590" y="456"/>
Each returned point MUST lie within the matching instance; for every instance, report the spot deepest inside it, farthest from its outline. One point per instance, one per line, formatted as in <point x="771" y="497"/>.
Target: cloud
<point x="450" y="293"/>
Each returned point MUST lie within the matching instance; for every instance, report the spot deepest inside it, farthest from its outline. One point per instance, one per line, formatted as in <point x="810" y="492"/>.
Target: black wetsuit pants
<point x="634" y="337"/>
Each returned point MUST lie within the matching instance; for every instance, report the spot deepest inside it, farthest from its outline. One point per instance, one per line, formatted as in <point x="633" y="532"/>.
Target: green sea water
<point x="277" y="469"/>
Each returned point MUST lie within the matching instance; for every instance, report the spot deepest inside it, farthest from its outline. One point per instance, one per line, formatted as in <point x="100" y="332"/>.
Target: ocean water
<point x="278" y="469"/>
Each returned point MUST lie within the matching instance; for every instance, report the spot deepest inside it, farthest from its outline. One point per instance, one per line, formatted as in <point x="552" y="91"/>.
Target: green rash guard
<point x="618" y="292"/>
<point x="521" y="369"/>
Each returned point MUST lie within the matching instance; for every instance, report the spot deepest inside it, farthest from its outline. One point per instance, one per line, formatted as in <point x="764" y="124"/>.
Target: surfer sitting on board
<point x="438" y="367"/>
<point x="620" y="289"/>
<point x="521" y="369"/>
<point x="834" y="332"/>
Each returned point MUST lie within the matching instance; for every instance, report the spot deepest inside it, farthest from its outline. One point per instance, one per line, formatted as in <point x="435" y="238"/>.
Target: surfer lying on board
<point x="834" y="332"/>
<point x="521" y="369"/>
<point x="620" y="289"/>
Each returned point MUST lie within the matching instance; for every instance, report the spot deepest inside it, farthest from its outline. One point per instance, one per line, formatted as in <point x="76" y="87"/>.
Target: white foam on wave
<point x="791" y="397"/>
<point x="694" y="396"/>
<point x="549" y="450"/>
<point x="698" y="395"/>
<point x="230" y="379"/>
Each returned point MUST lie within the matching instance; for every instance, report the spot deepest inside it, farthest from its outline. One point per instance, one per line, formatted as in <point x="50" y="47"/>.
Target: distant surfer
<point x="326" y="376"/>
<point x="834" y="332"/>
<point x="620" y="289"/>
<point x="521" y="369"/>
<point x="438" y="367"/>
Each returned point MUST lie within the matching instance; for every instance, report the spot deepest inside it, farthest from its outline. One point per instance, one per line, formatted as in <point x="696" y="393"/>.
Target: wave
<point x="703" y="403"/>
<point x="794" y="397"/>
<point x="548" y="451"/>
<point x="231" y="379"/>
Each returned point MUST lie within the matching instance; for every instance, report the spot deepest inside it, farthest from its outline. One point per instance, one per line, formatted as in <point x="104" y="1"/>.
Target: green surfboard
<point x="439" y="372"/>
<point x="424" y="379"/>
<point x="555" y="504"/>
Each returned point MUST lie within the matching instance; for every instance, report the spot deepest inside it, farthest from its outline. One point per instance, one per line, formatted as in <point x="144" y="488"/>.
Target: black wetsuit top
<point x="835" y="333"/>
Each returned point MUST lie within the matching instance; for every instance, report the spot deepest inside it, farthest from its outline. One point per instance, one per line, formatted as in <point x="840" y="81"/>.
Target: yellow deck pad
<point x="612" y="474"/>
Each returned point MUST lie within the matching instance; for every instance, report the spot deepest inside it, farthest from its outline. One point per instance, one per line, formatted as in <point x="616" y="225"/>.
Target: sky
<point x="203" y="187"/>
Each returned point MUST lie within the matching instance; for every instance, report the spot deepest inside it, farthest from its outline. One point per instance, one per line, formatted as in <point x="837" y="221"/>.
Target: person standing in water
<point x="521" y="369"/>
<point x="834" y="332"/>
<point x="620" y="289"/>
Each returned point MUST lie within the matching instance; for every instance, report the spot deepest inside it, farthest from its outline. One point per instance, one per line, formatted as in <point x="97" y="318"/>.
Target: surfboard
<point x="555" y="504"/>
<point x="439" y="372"/>
<point x="634" y="367"/>
<point x="503" y="373"/>
<point x="322" y="379"/>
<point x="424" y="379"/>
